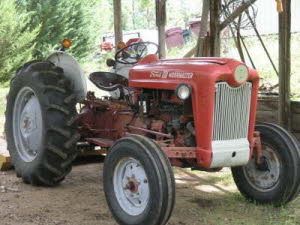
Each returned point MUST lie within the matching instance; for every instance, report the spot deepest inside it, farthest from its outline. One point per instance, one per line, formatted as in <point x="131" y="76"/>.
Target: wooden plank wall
<point x="268" y="112"/>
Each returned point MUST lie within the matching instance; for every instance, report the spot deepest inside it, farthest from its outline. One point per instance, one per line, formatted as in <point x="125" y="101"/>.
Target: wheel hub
<point x="27" y="124"/>
<point x="131" y="186"/>
<point x="264" y="176"/>
<point x="263" y="165"/>
<point x="28" y="117"/>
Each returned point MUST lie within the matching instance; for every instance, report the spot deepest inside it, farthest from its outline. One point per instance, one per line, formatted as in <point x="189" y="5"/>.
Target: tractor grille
<point x="231" y="112"/>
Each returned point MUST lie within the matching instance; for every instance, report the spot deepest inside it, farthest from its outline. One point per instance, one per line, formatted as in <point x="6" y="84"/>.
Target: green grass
<point x="213" y="199"/>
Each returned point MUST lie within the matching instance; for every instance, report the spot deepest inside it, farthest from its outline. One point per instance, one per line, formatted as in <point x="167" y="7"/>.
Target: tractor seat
<point x="108" y="81"/>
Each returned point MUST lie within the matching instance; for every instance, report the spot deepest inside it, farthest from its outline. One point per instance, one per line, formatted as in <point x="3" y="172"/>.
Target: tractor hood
<point x="151" y="72"/>
<point x="194" y="61"/>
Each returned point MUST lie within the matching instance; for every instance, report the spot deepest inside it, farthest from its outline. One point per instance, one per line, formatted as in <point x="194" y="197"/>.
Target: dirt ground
<point x="202" y="198"/>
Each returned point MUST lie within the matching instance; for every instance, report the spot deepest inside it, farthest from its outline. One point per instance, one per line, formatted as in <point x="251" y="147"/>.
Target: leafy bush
<point x="61" y="19"/>
<point x="16" y="42"/>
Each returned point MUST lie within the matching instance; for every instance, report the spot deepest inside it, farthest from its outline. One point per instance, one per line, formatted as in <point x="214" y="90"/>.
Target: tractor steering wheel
<point x="132" y="53"/>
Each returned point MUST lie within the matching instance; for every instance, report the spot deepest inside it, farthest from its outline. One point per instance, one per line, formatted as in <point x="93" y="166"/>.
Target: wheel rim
<point x="131" y="186"/>
<point x="266" y="176"/>
<point x="27" y="124"/>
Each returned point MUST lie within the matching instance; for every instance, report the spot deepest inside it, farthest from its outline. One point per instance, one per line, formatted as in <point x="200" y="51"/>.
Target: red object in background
<point x="107" y="46"/>
<point x="194" y="25"/>
<point x="174" y="37"/>
<point x="133" y="40"/>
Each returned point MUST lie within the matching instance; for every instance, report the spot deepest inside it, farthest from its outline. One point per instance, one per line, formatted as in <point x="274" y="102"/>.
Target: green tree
<point x="16" y="42"/>
<point x="59" y="19"/>
<point x="138" y="14"/>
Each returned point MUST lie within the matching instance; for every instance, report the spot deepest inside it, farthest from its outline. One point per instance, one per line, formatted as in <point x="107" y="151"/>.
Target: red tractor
<point x="195" y="113"/>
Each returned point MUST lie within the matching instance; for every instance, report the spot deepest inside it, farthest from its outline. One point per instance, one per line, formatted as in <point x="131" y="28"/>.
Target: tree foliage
<point x="37" y="27"/>
<point x="140" y="14"/>
<point x="59" y="19"/>
<point x="16" y="41"/>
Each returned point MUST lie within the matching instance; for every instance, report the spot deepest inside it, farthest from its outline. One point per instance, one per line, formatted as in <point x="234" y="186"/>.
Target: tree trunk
<point x="215" y="41"/>
<point x="118" y="21"/>
<point x="161" y="24"/>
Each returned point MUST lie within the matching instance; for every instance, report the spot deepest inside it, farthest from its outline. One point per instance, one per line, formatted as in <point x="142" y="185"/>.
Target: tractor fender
<point x="73" y="71"/>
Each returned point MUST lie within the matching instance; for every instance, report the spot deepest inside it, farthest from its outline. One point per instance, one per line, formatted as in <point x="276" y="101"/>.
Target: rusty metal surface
<point x="105" y="143"/>
<point x="257" y="147"/>
<point x="180" y="152"/>
<point x="149" y="131"/>
<point x="264" y="176"/>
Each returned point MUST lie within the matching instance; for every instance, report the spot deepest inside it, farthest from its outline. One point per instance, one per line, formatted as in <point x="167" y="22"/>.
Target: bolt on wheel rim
<point x="27" y="124"/>
<point x="264" y="179"/>
<point x="131" y="186"/>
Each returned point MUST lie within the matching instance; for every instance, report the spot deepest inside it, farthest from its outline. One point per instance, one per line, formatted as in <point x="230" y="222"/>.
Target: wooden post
<point x="203" y="29"/>
<point x="285" y="64"/>
<point x="215" y="41"/>
<point x="161" y="18"/>
<point x="118" y="21"/>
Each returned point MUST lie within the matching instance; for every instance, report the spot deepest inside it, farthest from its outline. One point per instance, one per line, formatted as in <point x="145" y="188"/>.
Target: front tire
<point x="277" y="180"/>
<point x="39" y="127"/>
<point x="139" y="182"/>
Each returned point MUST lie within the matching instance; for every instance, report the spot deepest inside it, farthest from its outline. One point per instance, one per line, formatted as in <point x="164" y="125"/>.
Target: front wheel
<point x="139" y="182"/>
<point x="277" y="180"/>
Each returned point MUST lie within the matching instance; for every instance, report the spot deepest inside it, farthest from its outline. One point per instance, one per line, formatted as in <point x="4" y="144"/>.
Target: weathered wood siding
<point x="268" y="112"/>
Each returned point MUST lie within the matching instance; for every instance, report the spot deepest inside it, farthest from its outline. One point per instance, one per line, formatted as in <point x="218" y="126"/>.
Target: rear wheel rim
<point x="131" y="186"/>
<point x="266" y="179"/>
<point x="27" y="124"/>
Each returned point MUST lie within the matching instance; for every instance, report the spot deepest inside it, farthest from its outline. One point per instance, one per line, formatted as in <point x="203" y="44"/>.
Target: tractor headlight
<point x="183" y="91"/>
<point x="241" y="74"/>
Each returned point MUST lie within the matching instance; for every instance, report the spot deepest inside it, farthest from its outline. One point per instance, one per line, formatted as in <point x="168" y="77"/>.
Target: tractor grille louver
<point x="231" y="111"/>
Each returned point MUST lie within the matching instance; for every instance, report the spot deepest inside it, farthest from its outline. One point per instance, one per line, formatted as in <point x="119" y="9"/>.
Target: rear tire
<point x="39" y="126"/>
<point x="277" y="180"/>
<point x="139" y="182"/>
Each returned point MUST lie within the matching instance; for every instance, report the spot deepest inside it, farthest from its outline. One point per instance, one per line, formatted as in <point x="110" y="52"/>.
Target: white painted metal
<point x="241" y="73"/>
<point x="27" y="124"/>
<point x="133" y="203"/>
<point x="122" y="69"/>
<point x="232" y="110"/>
<point x="73" y="71"/>
<point x="230" y="144"/>
<point x="230" y="153"/>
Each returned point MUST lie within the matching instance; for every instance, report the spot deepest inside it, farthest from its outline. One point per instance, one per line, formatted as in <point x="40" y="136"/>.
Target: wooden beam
<point x="161" y="18"/>
<point x="190" y="53"/>
<point x="236" y="13"/>
<point x="118" y="21"/>
<point x="203" y="29"/>
<point x="261" y="42"/>
<point x="285" y="64"/>
<point x="239" y="41"/>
